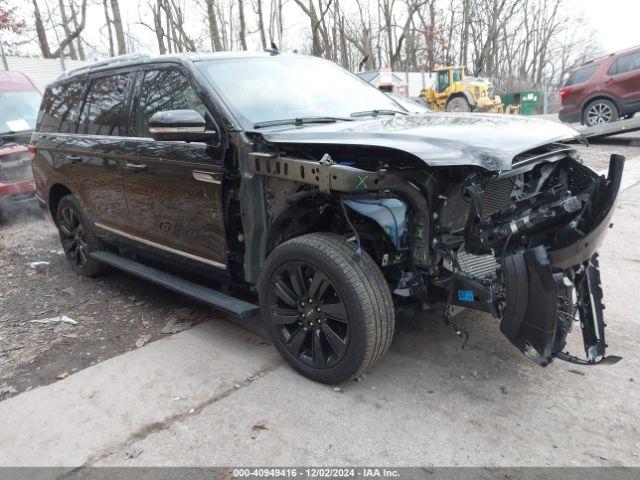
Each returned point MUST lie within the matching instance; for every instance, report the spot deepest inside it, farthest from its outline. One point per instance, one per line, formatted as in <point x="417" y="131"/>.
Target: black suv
<point x="288" y="176"/>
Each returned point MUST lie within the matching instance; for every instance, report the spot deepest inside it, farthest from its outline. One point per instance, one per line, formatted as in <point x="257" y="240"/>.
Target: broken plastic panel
<point x="389" y="213"/>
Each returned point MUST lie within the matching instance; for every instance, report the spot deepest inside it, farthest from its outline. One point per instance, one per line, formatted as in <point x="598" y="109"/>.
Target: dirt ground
<point x="111" y="314"/>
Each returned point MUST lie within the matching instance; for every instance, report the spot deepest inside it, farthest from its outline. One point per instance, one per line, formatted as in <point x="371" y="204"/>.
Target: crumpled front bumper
<point x="585" y="247"/>
<point x="545" y="289"/>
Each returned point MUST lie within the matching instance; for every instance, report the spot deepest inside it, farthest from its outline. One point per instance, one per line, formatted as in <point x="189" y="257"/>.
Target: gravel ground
<point x="114" y="313"/>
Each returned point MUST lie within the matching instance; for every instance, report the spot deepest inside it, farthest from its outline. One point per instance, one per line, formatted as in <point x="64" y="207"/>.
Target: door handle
<point x="74" y="159"/>
<point x="208" y="177"/>
<point x="136" y="167"/>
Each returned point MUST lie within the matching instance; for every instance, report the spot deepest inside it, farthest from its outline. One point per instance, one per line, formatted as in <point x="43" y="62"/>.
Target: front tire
<point x="78" y="238"/>
<point x="458" y="105"/>
<point x="328" y="312"/>
<point x="600" y="112"/>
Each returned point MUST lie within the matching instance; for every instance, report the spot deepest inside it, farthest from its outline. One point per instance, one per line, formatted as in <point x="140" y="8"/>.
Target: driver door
<point x="173" y="189"/>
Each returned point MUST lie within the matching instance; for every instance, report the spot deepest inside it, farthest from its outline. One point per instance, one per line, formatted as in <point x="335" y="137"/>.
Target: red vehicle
<point x="19" y="105"/>
<point x="603" y="90"/>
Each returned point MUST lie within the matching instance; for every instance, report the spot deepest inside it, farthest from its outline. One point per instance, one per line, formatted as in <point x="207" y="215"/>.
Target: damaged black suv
<point x="288" y="176"/>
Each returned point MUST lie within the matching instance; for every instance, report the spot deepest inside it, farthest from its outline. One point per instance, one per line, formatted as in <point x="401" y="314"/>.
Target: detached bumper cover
<point x="539" y="284"/>
<point x="602" y="205"/>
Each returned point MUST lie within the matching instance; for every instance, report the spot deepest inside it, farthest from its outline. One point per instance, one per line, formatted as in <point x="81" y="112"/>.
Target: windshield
<point x="283" y="87"/>
<point x="19" y="110"/>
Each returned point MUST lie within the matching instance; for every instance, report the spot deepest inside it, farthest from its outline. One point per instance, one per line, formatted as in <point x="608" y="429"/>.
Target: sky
<point x="616" y="22"/>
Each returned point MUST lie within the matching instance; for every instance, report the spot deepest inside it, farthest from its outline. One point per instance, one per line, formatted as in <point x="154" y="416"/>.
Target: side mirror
<point x="180" y="126"/>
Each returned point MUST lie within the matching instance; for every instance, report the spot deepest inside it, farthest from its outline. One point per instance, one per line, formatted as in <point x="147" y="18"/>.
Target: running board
<point x="211" y="297"/>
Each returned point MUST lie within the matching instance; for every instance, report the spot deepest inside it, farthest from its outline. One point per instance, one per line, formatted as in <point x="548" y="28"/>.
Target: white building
<point x="41" y="70"/>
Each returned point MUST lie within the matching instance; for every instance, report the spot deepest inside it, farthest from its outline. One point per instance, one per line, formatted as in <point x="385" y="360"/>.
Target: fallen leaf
<point x="142" y="340"/>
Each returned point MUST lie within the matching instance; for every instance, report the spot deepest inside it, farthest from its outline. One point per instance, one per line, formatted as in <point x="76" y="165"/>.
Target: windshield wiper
<point x="298" y="122"/>
<point x="375" y="113"/>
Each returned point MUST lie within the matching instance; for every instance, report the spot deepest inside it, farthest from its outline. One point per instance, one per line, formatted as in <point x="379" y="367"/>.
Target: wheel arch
<point x="302" y="218"/>
<point x="462" y="94"/>
<point x="297" y="219"/>
<point x="56" y="193"/>
<point x="598" y="96"/>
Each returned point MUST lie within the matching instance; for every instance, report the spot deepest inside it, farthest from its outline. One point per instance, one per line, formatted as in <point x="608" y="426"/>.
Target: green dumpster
<point x="530" y="103"/>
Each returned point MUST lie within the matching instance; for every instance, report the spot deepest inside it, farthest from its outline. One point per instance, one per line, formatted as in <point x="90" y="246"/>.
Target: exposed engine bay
<point x="519" y="244"/>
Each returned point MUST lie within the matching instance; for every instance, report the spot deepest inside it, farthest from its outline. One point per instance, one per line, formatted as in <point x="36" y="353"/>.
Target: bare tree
<point x="117" y="26"/>
<point x="260" y="20"/>
<point x="214" y="31"/>
<point x="65" y="41"/>
<point x="108" y="23"/>
<point x="242" y="34"/>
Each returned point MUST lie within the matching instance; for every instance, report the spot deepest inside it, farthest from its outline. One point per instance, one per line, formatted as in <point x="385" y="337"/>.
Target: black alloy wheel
<point x="327" y="308"/>
<point x="78" y="237"/>
<point x="309" y="315"/>
<point x="74" y="242"/>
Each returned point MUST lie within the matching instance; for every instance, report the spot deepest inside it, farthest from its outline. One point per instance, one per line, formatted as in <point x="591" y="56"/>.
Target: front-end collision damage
<point x="389" y="213"/>
<point x="519" y="244"/>
<point x="545" y="240"/>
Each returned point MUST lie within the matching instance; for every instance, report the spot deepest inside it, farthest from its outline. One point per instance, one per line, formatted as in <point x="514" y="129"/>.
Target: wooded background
<point x="518" y="44"/>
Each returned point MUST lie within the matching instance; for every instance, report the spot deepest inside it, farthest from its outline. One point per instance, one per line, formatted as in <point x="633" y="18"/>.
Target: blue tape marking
<point x="465" y="295"/>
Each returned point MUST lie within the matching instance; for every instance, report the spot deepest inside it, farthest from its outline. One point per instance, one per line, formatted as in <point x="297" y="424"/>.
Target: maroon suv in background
<point x="603" y="90"/>
<point x="19" y="105"/>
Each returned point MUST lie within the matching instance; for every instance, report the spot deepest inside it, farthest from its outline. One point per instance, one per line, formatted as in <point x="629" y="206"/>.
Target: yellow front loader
<point x="455" y="92"/>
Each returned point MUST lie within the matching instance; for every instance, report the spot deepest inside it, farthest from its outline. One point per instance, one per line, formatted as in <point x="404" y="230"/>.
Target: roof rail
<point x="103" y="63"/>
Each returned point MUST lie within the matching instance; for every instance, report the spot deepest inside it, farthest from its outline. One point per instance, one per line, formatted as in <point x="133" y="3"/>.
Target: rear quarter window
<point x="624" y="64"/>
<point x="104" y="108"/>
<point x="60" y="108"/>
<point x="581" y="75"/>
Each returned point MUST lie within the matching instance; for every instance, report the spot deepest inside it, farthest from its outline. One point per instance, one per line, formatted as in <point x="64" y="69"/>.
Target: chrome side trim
<point x="176" y="129"/>
<point x="207" y="177"/>
<point x="162" y="247"/>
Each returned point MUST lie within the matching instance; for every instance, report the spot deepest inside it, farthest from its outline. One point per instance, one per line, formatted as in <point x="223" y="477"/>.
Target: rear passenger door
<point x="174" y="188"/>
<point x="102" y="148"/>
<point x="624" y="81"/>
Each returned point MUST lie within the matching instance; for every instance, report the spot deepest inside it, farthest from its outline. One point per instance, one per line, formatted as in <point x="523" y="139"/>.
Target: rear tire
<point x="78" y="238"/>
<point x="328" y="312"/>
<point x="458" y="104"/>
<point x="600" y="112"/>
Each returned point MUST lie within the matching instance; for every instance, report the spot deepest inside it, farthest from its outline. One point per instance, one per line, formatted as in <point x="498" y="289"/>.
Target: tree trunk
<point x="261" y="29"/>
<point x="243" y="27"/>
<point x="157" y="23"/>
<point x="41" y="32"/>
<point x="76" y="25"/>
<point x="67" y="29"/>
<point x="108" y="25"/>
<point x="214" y="32"/>
<point x="117" y="24"/>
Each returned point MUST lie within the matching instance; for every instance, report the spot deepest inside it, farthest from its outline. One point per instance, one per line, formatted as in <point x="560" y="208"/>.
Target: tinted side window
<point x="581" y="75"/>
<point x="60" y="108"/>
<point x="625" y="64"/>
<point x="103" y="110"/>
<point x="164" y="90"/>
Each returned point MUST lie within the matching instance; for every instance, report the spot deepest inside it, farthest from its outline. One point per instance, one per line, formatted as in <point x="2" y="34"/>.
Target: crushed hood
<point x="439" y="139"/>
